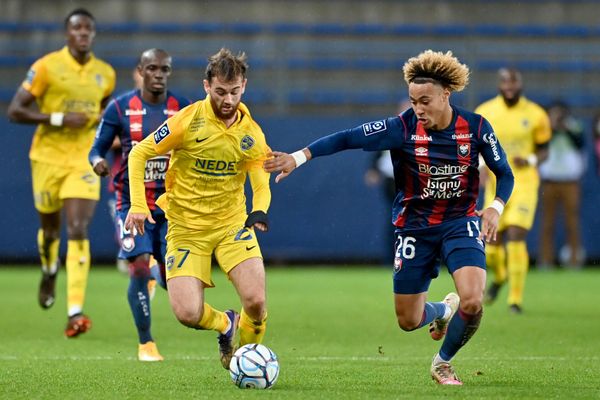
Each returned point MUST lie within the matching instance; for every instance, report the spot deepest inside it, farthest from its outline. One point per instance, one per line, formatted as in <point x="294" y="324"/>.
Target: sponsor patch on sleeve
<point x="30" y="76"/>
<point x="374" y="127"/>
<point x="161" y="133"/>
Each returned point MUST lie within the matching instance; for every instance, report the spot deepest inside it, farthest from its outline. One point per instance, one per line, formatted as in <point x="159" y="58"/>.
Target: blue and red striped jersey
<point x="436" y="172"/>
<point x="132" y="119"/>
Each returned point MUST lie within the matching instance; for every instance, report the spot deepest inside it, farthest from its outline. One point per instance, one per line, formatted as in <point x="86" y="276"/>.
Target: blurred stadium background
<point x="316" y="67"/>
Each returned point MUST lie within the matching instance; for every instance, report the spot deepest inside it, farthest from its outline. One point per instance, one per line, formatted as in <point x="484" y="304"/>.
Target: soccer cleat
<point x="77" y="324"/>
<point x="438" y="327"/>
<point x="443" y="373"/>
<point x="149" y="352"/>
<point x="515" y="309"/>
<point x="226" y="346"/>
<point x="492" y="293"/>
<point x="46" y="294"/>
<point x="151" y="288"/>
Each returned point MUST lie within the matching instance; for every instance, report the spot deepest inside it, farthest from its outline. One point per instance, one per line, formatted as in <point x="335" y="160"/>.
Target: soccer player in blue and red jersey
<point x="131" y="117"/>
<point x="435" y="148"/>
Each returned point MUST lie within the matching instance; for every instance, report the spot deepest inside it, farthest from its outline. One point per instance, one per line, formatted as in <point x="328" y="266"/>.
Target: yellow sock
<point x="496" y="261"/>
<point x="213" y="319"/>
<point x="251" y="331"/>
<point x="78" y="267"/>
<point x="48" y="253"/>
<point x="518" y="263"/>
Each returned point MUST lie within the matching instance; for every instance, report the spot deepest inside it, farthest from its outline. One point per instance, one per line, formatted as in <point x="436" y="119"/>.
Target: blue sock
<point x="461" y="328"/>
<point x="156" y="273"/>
<point x="432" y="311"/>
<point x="137" y="294"/>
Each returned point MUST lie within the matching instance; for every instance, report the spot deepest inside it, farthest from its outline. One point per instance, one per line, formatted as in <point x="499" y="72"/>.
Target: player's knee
<point x="77" y="229"/>
<point x="255" y="305"/>
<point x="407" y="324"/>
<point x="187" y="316"/>
<point x="471" y="304"/>
<point x="139" y="268"/>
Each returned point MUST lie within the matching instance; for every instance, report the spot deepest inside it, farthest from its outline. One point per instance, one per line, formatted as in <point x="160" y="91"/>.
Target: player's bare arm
<point x="22" y="109"/>
<point x="286" y="163"/>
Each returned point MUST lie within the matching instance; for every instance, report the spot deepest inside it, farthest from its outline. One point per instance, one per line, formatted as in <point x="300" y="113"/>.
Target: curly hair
<point x="437" y="67"/>
<point x="226" y="65"/>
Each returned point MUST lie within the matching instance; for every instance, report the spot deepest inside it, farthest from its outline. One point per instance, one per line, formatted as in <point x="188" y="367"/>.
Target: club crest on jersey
<point x="464" y="150"/>
<point x="247" y="143"/>
<point x="128" y="243"/>
<point x="374" y="127"/>
<point x="161" y="133"/>
<point x="170" y="262"/>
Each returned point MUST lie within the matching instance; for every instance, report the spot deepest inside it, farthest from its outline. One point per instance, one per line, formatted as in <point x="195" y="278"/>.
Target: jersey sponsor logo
<point x="156" y="169"/>
<point x="442" y="170"/>
<point x="135" y="127"/>
<point x="464" y="150"/>
<point x="29" y="77"/>
<point x="215" y="167"/>
<point x="462" y="136"/>
<point x="421" y="138"/>
<point x="374" y="127"/>
<point x="161" y="133"/>
<point x="247" y="142"/>
<point x="421" y="151"/>
<point x="196" y="124"/>
<point x="490" y="138"/>
<point x="170" y="113"/>
<point x="129" y="111"/>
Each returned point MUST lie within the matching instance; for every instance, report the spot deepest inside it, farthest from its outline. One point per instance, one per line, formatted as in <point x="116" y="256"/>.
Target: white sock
<point x="438" y="360"/>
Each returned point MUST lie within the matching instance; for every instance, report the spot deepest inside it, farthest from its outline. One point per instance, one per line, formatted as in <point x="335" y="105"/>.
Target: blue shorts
<point x="419" y="253"/>
<point x="153" y="240"/>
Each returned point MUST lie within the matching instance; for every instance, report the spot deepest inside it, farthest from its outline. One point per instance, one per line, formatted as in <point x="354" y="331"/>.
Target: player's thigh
<point x="47" y="180"/>
<point x="131" y="245"/>
<point x="186" y="295"/>
<point x="80" y="183"/>
<point x="248" y="277"/>
<point x="236" y="245"/>
<point x="416" y="260"/>
<point x="189" y="253"/>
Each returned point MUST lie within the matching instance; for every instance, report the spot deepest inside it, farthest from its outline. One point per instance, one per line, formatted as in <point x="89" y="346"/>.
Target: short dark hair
<point x="227" y="66"/>
<point x="79" y="11"/>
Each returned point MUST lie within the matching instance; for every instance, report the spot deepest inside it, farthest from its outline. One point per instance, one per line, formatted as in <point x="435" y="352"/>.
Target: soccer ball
<point x="254" y="366"/>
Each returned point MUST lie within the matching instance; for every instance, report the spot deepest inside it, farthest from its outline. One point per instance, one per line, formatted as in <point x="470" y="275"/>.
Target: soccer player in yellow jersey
<point x="523" y="127"/>
<point x="215" y="144"/>
<point x="69" y="87"/>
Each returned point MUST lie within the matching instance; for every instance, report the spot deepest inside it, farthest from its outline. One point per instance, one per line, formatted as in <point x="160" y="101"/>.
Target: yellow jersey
<point x="519" y="129"/>
<point x="208" y="168"/>
<point x="60" y="84"/>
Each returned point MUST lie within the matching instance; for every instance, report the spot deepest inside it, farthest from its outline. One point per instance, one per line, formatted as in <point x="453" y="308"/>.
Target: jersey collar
<point x="73" y="62"/>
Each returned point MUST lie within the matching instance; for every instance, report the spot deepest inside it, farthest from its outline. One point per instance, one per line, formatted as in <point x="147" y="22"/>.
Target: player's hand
<point x="520" y="162"/>
<point x="258" y="220"/>
<point x="101" y="168"/>
<point x="280" y="162"/>
<point x="489" y="224"/>
<point x="75" y="120"/>
<point x="134" y="222"/>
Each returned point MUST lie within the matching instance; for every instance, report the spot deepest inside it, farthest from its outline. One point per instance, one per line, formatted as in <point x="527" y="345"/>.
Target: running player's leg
<point x="518" y="265"/>
<point x="79" y="213"/>
<point x="48" y="240"/>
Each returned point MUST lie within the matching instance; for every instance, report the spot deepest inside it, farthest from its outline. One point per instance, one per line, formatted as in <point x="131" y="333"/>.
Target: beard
<point x="223" y="115"/>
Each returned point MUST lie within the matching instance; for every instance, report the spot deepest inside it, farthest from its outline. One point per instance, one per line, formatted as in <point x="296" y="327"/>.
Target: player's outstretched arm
<point x="286" y="163"/>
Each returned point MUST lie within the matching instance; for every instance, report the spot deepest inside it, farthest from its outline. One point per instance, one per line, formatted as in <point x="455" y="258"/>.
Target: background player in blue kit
<point x="132" y="117"/>
<point x="435" y="148"/>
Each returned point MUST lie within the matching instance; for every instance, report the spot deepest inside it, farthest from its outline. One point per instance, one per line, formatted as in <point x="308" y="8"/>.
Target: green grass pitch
<point x="333" y="330"/>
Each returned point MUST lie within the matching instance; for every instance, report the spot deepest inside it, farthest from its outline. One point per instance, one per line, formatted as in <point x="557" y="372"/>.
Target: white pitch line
<point x="7" y="357"/>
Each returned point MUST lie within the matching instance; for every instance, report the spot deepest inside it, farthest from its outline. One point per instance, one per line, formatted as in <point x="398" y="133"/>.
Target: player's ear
<point x="206" y="86"/>
<point x="244" y="85"/>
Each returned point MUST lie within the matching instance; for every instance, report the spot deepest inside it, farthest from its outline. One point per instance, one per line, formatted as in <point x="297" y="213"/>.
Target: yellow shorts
<point x="189" y="251"/>
<point x="520" y="209"/>
<point x="54" y="183"/>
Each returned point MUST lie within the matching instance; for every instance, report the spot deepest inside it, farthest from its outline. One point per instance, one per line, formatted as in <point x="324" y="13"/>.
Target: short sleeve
<point x="543" y="130"/>
<point x="36" y="80"/>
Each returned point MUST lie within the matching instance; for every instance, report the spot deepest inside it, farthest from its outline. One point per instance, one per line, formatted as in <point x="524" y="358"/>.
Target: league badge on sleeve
<point x="161" y="133"/>
<point x="374" y="127"/>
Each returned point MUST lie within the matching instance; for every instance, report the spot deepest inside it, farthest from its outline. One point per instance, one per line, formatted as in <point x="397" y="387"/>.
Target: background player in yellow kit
<point x="523" y="128"/>
<point x="70" y="88"/>
<point x="215" y="145"/>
